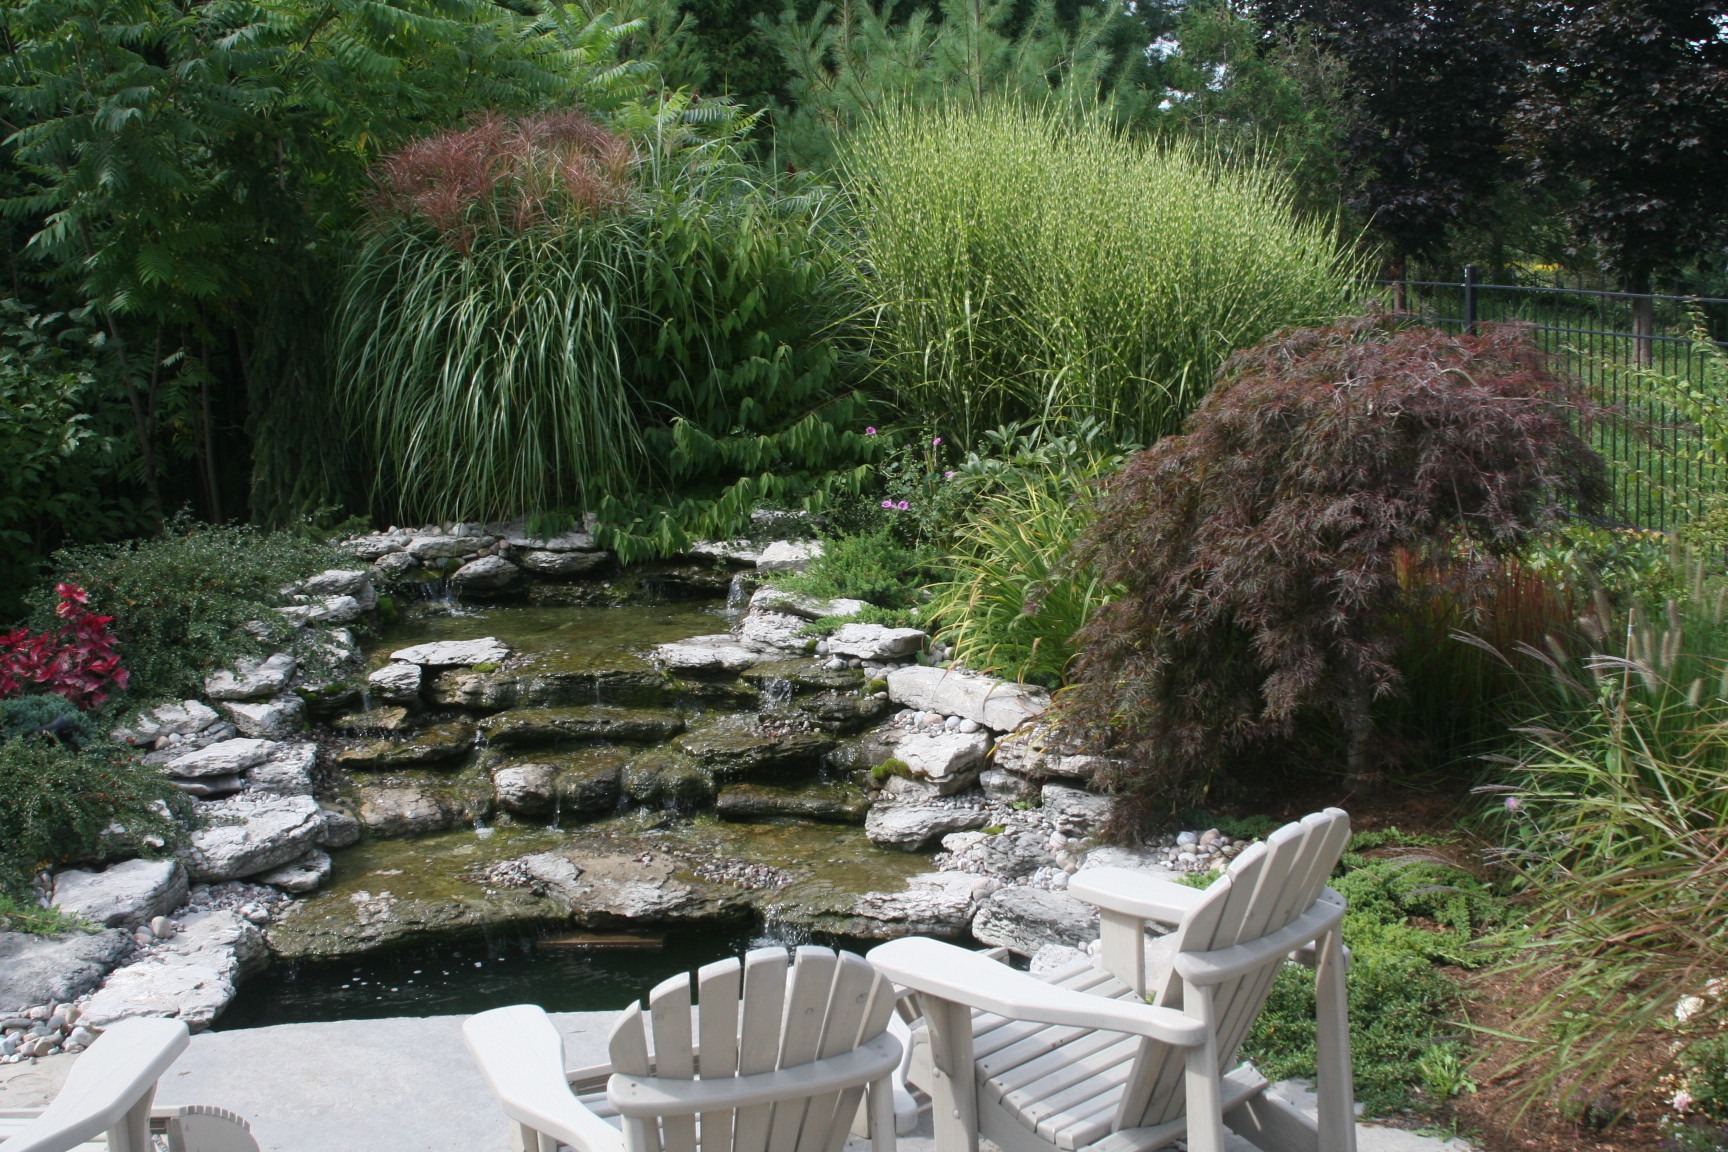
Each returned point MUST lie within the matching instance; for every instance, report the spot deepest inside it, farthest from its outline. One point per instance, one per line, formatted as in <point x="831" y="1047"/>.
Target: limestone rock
<point x="341" y="828"/>
<point x="487" y="574"/>
<point x="1075" y="812"/>
<point x="208" y="787"/>
<point x="1013" y="854"/>
<point x="245" y="835"/>
<point x="376" y="547"/>
<point x="1023" y="920"/>
<point x="563" y="542"/>
<point x="394" y="564"/>
<point x="572" y="787"/>
<point x="425" y="548"/>
<point x="932" y="904"/>
<point x="398" y="680"/>
<point x="446" y="653"/>
<point x="914" y="827"/>
<point x="439" y="744"/>
<point x="191" y="977"/>
<point x="251" y="679"/>
<point x="875" y="641"/>
<point x="725" y="551"/>
<point x="534" y="726"/>
<point x="842" y="711"/>
<point x="719" y="653"/>
<point x="996" y="704"/>
<point x="831" y="804"/>
<point x="334" y="610"/>
<point x="374" y="721"/>
<point x="668" y="776"/>
<point x="775" y="632"/>
<point x="949" y="760"/>
<point x="798" y="604"/>
<point x="788" y="555"/>
<point x="45" y="969"/>
<point x="154" y="726"/>
<point x="559" y="565"/>
<point x="303" y="875"/>
<point x="223" y="759"/>
<point x="1053" y="956"/>
<point x="1000" y="785"/>
<point x="124" y="895"/>
<point x="736" y="749"/>
<point x="338" y="582"/>
<point x="410" y="808"/>
<point x="287" y="771"/>
<point x="273" y="719"/>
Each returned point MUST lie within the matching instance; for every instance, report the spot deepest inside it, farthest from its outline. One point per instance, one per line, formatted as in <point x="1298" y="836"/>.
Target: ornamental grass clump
<point x="1261" y="610"/>
<point x="1026" y="264"/>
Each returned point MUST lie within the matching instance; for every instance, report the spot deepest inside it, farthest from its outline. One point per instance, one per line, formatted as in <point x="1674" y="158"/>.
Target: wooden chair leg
<point x="954" y="1084"/>
<point x="1335" y="1081"/>
<point x="1204" y="1082"/>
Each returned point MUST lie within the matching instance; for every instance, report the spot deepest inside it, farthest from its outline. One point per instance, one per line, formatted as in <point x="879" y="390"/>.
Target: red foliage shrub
<point x="76" y="661"/>
<point x="1260" y="553"/>
<point x="513" y="173"/>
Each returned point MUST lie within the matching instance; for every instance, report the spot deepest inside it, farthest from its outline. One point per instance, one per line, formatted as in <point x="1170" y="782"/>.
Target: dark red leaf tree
<point x="1259" y="551"/>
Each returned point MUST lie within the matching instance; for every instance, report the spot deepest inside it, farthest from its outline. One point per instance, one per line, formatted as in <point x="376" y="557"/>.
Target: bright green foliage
<point x="182" y="601"/>
<point x="874" y="567"/>
<point x="22" y="715"/>
<point x="1399" y="1004"/>
<point x="56" y="806"/>
<point x="189" y="169"/>
<point x="32" y="919"/>
<point x="666" y="357"/>
<point x="853" y="61"/>
<point x="62" y="448"/>
<point x="1614" y="817"/>
<point x="1030" y="265"/>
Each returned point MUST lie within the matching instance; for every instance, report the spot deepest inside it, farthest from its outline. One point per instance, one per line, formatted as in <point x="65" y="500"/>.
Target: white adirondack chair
<point x="785" y="1057"/>
<point x="1079" y="1061"/>
<point x="106" y="1103"/>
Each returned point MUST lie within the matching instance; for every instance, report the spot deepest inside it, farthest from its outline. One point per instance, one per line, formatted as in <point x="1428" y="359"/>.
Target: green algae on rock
<point x="531" y="727"/>
<point x="440" y="743"/>
<point x="736" y="747"/>
<point x="830" y="803"/>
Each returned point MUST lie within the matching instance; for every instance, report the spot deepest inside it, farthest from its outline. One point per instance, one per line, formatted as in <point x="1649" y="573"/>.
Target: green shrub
<point x="1027" y="265"/>
<point x="57" y="806"/>
<point x="182" y="601"/>
<point x="874" y="567"/>
<point x="23" y="715"/>
<point x="32" y="919"/>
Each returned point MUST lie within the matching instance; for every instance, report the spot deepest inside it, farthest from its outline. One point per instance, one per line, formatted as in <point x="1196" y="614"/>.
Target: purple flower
<point x="869" y="431"/>
<point x="948" y="475"/>
<point x="934" y="443"/>
<point x="887" y="503"/>
<point x="903" y="505"/>
<point x="1513" y="803"/>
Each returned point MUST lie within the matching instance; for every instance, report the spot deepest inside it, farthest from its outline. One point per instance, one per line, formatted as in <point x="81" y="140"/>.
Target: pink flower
<point x="948" y="475"/>
<point x="1513" y="803"/>
<point x="869" y="431"/>
<point x="1682" y="1101"/>
<point x="903" y="505"/>
<point x="887" y="503"/>
<point x="934" y="443"/>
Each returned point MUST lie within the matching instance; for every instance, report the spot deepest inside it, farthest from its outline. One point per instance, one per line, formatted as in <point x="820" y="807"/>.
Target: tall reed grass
<point x="1615" y="810"/>
<point x="1033" y="264"/>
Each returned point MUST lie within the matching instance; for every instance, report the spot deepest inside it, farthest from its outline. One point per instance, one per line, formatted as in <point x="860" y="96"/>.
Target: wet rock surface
<point x="550" y="726"/>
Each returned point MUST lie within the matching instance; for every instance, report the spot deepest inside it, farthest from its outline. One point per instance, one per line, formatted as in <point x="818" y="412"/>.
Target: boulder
<point x="373" y="721"/>
<point x="340" y="582"/>
<point x="273" y="719"/>
<point x="798" y="604"/>
<point x="341" y="828"/>
<point x="286" y="772"/>
<point x="875" y="642"/>
<point x="396" y="681"/>
<point x="563" y="542"/>
<point x="425" y="548"/>
<point x="332" y="610"/>
<point x="411" y="808"/>
<point x="725" y="551"/>
<point x="1002" y="786"/>
<point x="251" y="679"/>
<point x="788" y="555"/>
<point x="48" y="970"/>
<point x="828" y="803"/>
<point x="245" y="835"/>
<point x="775" y="632"/>
<point x="306" y="874"/>
<point x="1075" y="812"/>
<point x="124" y="895"/>
<point x="154" y="726"/>
<point x="439" y="744"/>
<point x="996" y="704"/>
<point x="668" y="776"/>
<point x="394" y="564"/>
<point x="559" y="565"/>
<point x="192" y="976"/>
<point x="376" y="547"/>
<point x="949" y="760"/>
<point x="1041" y="751"/>
<point x="537" y="726"/>
<point x="932" y="904"/>
<point x="221" y="759"/>
<point x="1052" y="957"/>
<point x="1013" y="854"/>
<point x="914" y="826"/>
<point x="719" y="653"/>
<point x="448" y="653"/>
<point x="208" y="787"/>
<point x="735" y="749"/>
<point x="1023" y="920"/>
<point x="487" y="574"/>
<point x="842" y="712"/>
<point x="574" y="786"/>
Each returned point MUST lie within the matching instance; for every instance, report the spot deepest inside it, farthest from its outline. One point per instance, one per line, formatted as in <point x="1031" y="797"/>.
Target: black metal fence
<point x="1613" y="342"/>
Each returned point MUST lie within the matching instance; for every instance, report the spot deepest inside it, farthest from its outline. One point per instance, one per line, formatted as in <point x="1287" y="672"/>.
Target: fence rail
<point x="1610" y="341"/>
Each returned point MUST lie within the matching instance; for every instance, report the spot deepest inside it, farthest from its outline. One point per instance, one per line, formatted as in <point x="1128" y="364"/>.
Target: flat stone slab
<point x="949" y="760"/>
<point x="875" y="641"/>
<point x="1000" y="705"/>
<point x="245" y="836"/>
<point x="719" y="653"/>
<point x="222" y="759"/>
<point x="122" y="896"/>
<point x="192" y="976"/>
<point x="915" y="827"/>
<point x="251" y="679"/>
<point x="1023" y="920"/>
<point x="450" y="653"/>
<point x="40" y="969"/>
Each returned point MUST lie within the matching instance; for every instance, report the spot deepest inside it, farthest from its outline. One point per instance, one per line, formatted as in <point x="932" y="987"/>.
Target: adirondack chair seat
<point x="1139" y="1048"/>
<point x="783" y="1065"/>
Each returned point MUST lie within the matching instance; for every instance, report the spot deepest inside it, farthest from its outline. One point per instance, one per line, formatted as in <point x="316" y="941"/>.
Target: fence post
<point x="1470" y="299"/>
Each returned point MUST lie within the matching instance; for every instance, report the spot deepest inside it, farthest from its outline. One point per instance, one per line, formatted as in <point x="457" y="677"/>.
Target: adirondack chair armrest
<point x="1223" y="964"/>
<point x="110" y="1085"/>
<point x="521" y="1057"/>
<point x="954" y="974"/>
<point x="1135" y="893"/>
<point x="643" y="1096"/>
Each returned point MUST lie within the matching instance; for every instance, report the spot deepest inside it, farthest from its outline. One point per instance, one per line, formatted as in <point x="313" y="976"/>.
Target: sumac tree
<point x="1258" y="552"/>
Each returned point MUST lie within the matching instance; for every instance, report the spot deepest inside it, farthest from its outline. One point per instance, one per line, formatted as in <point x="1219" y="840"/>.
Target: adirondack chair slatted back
<point x="757" y="1017"/>
<point x="1266" y="887"/>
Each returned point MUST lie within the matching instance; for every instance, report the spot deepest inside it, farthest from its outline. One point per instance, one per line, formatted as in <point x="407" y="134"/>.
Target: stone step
<point x="529" y="727"/>
<point x="828" y="803"/>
